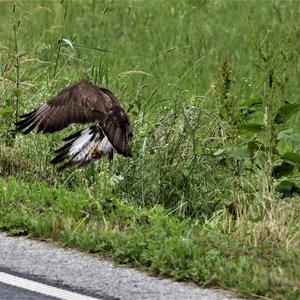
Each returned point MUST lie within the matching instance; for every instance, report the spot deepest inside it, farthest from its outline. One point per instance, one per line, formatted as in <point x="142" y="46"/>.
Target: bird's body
<point x="83" y="103"/>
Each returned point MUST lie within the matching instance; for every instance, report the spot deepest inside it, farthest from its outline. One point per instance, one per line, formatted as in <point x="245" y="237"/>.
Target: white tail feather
<point x="105" y="146"/>
<point x="81" y="142"/>
<point x="85" y="150"/>
<point x="86" y="146"/>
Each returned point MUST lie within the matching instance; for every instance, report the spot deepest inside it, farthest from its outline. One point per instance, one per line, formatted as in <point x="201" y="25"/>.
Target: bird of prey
<point x="83" y="103"/>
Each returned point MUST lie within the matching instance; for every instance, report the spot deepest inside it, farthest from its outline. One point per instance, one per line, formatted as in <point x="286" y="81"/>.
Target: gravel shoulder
<point x="92" y="274"/>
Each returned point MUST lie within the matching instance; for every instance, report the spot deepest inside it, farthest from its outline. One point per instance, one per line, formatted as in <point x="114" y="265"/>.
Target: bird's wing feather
<point x="116" y="134"/>
<point x="80" y="103"/>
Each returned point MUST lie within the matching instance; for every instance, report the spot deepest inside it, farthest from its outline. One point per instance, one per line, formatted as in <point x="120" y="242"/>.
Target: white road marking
<point x="41" y="288"/>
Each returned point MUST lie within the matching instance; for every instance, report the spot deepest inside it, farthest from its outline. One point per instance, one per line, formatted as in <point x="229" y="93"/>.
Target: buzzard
<point x="83" y="103"/>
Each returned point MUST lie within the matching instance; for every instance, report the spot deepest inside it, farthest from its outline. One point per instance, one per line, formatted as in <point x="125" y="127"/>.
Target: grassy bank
<point x="254" y="256"/>
<point x="212" y="89"/>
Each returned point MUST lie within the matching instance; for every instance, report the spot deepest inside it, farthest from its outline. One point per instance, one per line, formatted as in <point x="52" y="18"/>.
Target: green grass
<point x="199" y="200"/>
<point x="252" y="256"/>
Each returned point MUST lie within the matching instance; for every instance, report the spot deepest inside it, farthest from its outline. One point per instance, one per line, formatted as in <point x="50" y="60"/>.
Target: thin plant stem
<point x="60" y="39"/>
<point x="16" y="25"/>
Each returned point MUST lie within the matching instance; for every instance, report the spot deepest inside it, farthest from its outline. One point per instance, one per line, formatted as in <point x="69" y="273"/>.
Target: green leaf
<point x="239" y="153"/>
<point x="284" y="169"/>
<point x="251" y="127"/>
<point x="254" y="144"/>
<point x="185" y="172"/>
<point x="288" y="135"/>
<point x="235" y="152"/>
<point x="285" y="112"/>
<point x="287" y="187"/>
<point x="250" y="102"/>
<point x="6" y="110"/>
<point x="68" y="42"/>
<point x="219" y="152"/>
<point x="260" y="158"/>
<point x="292" y="157"/>
<point x="283" y="146"/>
<point x="76" y="45"/>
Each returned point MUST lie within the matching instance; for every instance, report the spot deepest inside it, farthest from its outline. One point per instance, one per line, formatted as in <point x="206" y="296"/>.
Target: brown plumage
<point x="83" y="103"/>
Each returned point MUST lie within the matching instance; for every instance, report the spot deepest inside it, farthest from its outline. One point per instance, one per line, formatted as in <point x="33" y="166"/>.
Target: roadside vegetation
<point x="211" y="194"/>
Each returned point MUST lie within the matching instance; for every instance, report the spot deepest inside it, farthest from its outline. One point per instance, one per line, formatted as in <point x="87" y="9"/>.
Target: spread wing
<point x="80" y="103"/>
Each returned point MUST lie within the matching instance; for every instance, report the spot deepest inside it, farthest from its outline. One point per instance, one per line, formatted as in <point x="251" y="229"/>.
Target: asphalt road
<point x="9" y="292"/>
<point x="83" y="274"/>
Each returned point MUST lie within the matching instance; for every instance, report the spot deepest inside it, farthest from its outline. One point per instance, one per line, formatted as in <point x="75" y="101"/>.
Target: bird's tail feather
<point x="83" y="147"/>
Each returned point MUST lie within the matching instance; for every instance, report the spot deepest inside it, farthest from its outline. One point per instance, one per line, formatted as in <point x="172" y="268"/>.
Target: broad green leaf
<point x="287" y="187"/>
<point x="288" y="135"/>
<point x="286" y="111"/>
<point x="235" y="152"/>
<point x="261" y="158"/>
<point x="250" y="102"/>
<point x="283" y="169"/>
<point x="285" y="133"/>
<point x="251" y="127"/>
<point x="239" y="153"/>
<point x="292" y="157"/>
<point x="283" y="147"/>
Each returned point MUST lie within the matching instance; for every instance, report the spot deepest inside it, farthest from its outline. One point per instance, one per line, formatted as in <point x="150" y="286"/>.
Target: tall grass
<point x="212" y="90"/>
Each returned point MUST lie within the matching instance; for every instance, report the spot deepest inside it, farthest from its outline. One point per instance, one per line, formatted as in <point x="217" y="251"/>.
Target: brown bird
<point x="83" y="103"/>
